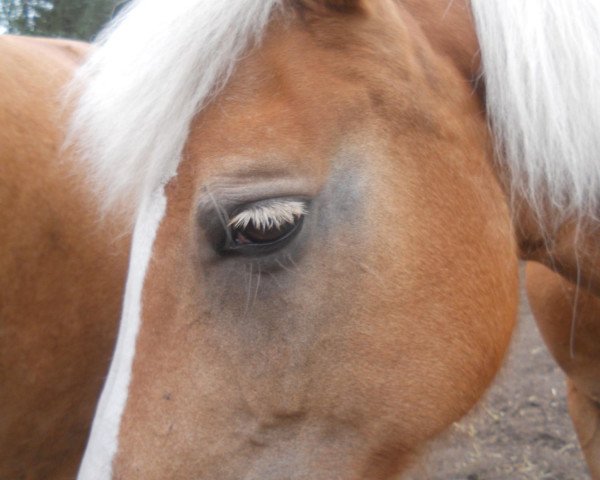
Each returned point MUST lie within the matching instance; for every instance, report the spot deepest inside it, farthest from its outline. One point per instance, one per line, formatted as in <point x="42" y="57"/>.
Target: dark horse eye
<point x="258" y="236"/>
<point x="264" y="227"/>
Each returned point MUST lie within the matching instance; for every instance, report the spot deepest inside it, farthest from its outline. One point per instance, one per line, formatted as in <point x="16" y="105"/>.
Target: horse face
<point x="335" y="344"/>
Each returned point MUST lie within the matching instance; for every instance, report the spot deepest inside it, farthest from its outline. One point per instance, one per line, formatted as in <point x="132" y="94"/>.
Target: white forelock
<point x="154" y="68"/>
<point x="541" y="67"/>
<point x="158" y="65"/>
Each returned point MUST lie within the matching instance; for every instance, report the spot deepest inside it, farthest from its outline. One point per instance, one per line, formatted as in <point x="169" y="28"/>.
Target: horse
<point x="323" y="233"/>
<point x="62" y="272"/>
<point x="567" y="316"/>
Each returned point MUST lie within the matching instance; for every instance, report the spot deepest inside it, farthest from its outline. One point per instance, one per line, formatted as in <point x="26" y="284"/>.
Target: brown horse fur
<point x="350" y="356"/>
<point x="62" y="272"/>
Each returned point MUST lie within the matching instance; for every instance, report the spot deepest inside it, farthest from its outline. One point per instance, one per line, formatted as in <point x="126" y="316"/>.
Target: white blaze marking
<point x="103" y="441"/>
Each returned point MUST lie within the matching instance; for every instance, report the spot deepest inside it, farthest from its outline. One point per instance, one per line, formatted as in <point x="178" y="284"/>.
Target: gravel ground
<point x="521" y="430"/>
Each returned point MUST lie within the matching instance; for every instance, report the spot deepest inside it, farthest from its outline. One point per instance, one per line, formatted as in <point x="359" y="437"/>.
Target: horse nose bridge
<point x="294" y="446"/>
<point x="303" y="446"/>
<point x="272" y="408"/>
<point x="278" y="388"/>
<point x="278" y="425"/>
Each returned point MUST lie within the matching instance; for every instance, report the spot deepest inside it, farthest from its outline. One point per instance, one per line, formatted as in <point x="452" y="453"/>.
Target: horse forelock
<point x="154" y="68"/>
<point x="541" y="67"/>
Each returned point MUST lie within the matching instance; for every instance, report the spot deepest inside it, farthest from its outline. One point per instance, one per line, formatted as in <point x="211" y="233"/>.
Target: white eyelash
<point x="269" y="215"/>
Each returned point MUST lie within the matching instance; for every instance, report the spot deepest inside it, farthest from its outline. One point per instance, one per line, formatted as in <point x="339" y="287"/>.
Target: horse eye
<point x="260" y="236"/>
<point x="264" y="228"/>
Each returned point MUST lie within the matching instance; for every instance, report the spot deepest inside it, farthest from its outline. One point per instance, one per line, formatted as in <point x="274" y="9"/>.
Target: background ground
<point x="520" y="431"/>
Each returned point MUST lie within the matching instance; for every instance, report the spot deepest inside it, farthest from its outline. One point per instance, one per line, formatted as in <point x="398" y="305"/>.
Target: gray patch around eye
<point x="343" y="200"/>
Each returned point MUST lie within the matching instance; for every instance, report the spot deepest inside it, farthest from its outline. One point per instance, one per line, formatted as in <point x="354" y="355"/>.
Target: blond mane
<point x="157" y="66"/>
<point x="154" y="68"/>
<point x="541" y="67"/>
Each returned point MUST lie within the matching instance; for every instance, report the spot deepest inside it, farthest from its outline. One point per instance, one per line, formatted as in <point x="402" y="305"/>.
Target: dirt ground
<point x="521" y="430"/>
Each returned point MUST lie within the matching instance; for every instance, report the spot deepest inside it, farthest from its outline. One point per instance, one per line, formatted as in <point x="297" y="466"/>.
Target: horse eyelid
<point x="270" y="214"/>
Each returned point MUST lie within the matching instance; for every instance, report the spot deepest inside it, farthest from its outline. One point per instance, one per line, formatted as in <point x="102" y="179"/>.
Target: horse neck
<point x="568" y="249"/>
